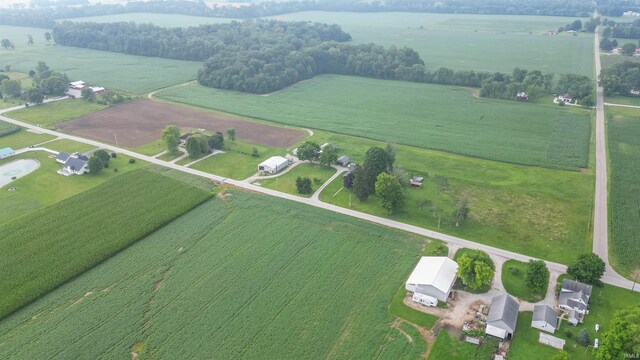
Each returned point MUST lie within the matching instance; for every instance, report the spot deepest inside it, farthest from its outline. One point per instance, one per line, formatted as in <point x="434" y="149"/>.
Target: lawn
<point x="469" y="42"/>
<point x="514" y="274"/>
<point x="49" y="114"/>
<point x="624" y="189"/>
<point x="7" y="129"/>
<point x="151" y="148"/>
<point x="165" y="20"/>
<point x="130" y="73"/>
<point x="237" y="162"/>
<point x="69" y="146"/>
<point x="523" y="209"/>
<point x="243" y="277"/>
<point x="399" y="309"/>
<point x="287" y="183"/>
<point x="23" y="138"/>
<point x="603" y="304"/>
<point x="57" y="243"/>
<point x="448" y="346"/>
<point x="624" y="100"/>
<point x="424" y="115"/>
<point x="44" y="187"/>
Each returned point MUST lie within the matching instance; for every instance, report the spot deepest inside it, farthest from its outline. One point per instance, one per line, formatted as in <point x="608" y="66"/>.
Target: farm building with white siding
<point x="433" y="276"/>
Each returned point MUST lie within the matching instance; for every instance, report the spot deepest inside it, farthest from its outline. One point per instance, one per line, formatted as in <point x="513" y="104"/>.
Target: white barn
<point x="503" y="316"/>
<point x="273" y="165"/>
<point x="544" y="318"/>
<point x="433" y="276"/>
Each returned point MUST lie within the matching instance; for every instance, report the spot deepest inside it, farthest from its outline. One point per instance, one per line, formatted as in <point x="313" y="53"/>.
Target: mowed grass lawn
<point x="624" y="200"/>
<point x="23" y="138"/>
<point x="57" y="243"/>
<point x="514" y="275"/>
<point x="603" y="304"/>
<point x="448" y="346"/>
<point x="524" y="209"/>
<point x="263" y="278"/>
<point x="49" y="114"/>
<point x="318" y="175"/>
<point x="130" y="73"/>
<point x="423" y="115"/>
<point x="468" y="41"/>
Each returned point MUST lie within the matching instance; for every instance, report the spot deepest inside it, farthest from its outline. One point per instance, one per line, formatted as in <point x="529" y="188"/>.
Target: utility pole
<point x="114" y="135"/>
<point x="634" y="281"/>
<point x="349" y="200"/>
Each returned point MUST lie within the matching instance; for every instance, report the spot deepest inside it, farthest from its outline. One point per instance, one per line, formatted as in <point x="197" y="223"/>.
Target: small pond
<point x="16" y="169"/>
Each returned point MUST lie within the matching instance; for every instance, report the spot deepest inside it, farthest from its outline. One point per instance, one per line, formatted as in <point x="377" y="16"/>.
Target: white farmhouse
<point x="433" y="276"/>
<point x="273" y="165"/>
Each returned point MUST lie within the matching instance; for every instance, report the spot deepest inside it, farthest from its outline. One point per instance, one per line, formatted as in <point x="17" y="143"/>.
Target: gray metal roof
<point x="75" y="164"/>
<point x="576" y="286"/>
<point x="545" y="313"/>
<point x="62" y="156"/>
<point x="503" y="312"/>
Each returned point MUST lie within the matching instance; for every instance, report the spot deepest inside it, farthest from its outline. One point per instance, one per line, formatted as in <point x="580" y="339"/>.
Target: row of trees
<point x="46" y="82"/>
<point x="620" y="78"/>
<point x="197" y="144"/>
<point x="628" y="30"/>
<point x="45" y="15"/>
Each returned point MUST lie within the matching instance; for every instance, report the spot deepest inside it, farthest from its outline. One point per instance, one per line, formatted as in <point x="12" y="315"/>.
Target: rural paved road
<point x="610" y="277"/>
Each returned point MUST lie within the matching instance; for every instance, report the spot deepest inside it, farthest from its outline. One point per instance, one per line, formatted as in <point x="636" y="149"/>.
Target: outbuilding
<point x="433" y="276"/>
<point x="273" y="165"/>
<point x="544" y="318"/>
<point x="343" y="160"/>
<point x="503" y="316"/>
<point x="6" y="152"/>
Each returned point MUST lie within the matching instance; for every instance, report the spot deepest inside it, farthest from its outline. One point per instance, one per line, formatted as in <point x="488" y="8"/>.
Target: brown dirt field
<point x="141" y="121"/>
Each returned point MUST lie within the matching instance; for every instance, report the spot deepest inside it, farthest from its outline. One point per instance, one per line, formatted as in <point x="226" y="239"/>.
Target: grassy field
<point x="624" y="193"/>
<point x="287" y="182"/>
<point x="133" y="74"/>
<point x="514" y="281"/>
<point x="45" y="187"/>
<point x="293" y="282"/>
<point x="424" y="115"/>
<point x="7" y="129"/>
<point x="49" y="114"/>
<point x="57" y="243"/>
<point x="519" y="208"/>
<point x="151" y="148"/>
<point x="604" y="302"/>
<point x="608" y="60"/>
<point x="624" y="100"/>
<point x="23" y="138"/>
<point x="448" y="346"/>
<point x="166" y="20"/>
<point x="470" y="42"/>
<point x="69" y="146"/>
<point x="237" y="162"/>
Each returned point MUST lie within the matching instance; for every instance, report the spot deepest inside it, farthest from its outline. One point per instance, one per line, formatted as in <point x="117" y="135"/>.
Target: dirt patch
<point x="139" y="122"/>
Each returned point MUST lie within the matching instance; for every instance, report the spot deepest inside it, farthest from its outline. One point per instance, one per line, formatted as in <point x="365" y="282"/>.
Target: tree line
<point x="617" y="7"/>
<point x="43" y="13"/>
<point x="620" y="79"/>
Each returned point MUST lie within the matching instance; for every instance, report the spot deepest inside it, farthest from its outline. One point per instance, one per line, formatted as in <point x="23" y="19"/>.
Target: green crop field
<point x="49" y="114"/>
<point x="424" y="115"/>
<point x="469" y="42"/>
<point x="50" y="246"/>
<point x="166" y="20"/>
<point x="134" y="74"/>
<point x="243" y="277"/>
<point x="624" y="201"/>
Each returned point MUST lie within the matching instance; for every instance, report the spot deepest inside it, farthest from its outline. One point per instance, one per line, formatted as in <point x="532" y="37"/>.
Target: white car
<point x="597" y="327"/>
<point x="595" y="343"/>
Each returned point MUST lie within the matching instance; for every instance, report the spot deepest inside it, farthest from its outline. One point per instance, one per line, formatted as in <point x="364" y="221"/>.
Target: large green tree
<point x="193" y="147"/>
<point x="56" y="85"/>
<point x="216" y="141"/>
<point x="475" y="269"/>
<point x="303" y="185"/>
<point x="10" y="88"/>
<point x="377" y="160"/>
<point x="6" y="43"/>
<point x="171" y="138"/>
<point x="35" y="96"/>
<point x="537" y="276"/>
<point x="329" y="155"/>
<point x="363" y="183"/>
<point x="628" y="49"/>
<point x="231" y="134"/>
<point x="309" y="150"/>
<point x="622" y="337"/>
<point x="588" y="268"/>
<point x="390" y="192"/>
<point x="95" y="165"/>
<point x="88" y="94"/>
<point x="104" y="156"/>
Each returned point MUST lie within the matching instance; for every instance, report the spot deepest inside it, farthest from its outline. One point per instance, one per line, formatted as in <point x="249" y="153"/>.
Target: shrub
<point x="115" y="169"/>
<point x="583" y="337"/>
<point x="317" y="181"/>
<point x="514" y="270"/>
<point x="113" y="155"/>
<point x="568" y="334"/>
<point x="132" y="161"/>
<point x="303" y="185"/>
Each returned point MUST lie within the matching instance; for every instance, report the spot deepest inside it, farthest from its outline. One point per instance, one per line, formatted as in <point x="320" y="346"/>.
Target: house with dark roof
<point x="566" y="98"/>
<point x="73" y="164"/>
<point x="544" y="318"/>
<point x="343" y="160"/>
<point x="62" y="157"/>
<point x="574" y="298"/>
<point x="503" y="316"/>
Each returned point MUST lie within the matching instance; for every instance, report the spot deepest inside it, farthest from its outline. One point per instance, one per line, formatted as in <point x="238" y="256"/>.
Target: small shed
<point x="6" y="152"/>
<point x="522" y="96"/>
<point x="433" y="276"/>
<point x="343" y="160"/>
<point x="503" y="316"/>
<point x="273" y="165"/>
<point x="544" y="318"/>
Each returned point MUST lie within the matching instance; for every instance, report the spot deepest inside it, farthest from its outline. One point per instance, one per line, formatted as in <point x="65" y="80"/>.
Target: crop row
<point x="50" y="246"/>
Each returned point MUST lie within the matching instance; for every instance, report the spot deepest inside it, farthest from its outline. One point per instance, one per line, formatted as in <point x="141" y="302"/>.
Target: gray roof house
<point x="574" y="297"/>
<point x="544" y="318"/>
<point x="503" y="316"/>
<point x="343" y="160"/>
<point x="62" y="157"/>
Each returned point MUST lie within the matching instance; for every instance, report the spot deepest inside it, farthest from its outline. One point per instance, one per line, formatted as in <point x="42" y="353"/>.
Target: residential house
<point x="567" y="98"/>
<point x="544" y="318"/>
<point x="73" y="164"/>
<point x="574" y="298"/>
<point x="434" y="276"/>
<point x="343" y="160"/>
<point x="503" y="316"/>
<point x="75" y="89"/>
